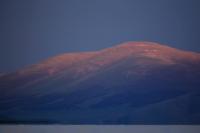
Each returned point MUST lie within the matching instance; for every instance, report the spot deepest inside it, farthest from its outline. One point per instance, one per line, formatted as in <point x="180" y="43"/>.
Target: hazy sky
<point x="33" y="30"/>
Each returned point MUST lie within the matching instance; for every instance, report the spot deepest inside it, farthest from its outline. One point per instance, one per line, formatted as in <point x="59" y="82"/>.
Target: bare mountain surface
<point x="131" y="83"/>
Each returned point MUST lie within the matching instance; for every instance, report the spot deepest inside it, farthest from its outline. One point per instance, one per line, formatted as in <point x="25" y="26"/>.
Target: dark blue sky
<point x="33" y="30"/>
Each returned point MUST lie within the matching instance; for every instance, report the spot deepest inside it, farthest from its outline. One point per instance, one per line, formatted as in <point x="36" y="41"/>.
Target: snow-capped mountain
<point x="131" y="83"/>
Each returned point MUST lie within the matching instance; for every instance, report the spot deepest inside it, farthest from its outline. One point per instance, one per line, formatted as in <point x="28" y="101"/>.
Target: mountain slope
<point x="107" y="87"/>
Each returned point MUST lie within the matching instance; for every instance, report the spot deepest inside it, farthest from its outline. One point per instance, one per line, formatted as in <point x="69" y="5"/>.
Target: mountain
<point x="131" y="83"/>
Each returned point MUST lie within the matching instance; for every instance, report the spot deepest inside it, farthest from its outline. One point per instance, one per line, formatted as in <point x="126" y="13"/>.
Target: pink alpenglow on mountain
<point x="131" y="83"/>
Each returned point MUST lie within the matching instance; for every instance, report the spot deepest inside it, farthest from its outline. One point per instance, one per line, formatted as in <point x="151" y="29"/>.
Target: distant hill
<point x="131" y="83"/>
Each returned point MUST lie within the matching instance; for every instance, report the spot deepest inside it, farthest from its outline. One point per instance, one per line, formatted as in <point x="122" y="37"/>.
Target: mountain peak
<point x="143" y="53"/>
<point x="127" y="83"/>
<point x="138" y="43"/>
<point x="141" y="46"/>
<point x="154" y="50"/>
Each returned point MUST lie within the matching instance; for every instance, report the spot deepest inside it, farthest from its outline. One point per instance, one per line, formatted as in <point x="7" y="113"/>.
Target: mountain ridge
<point x="143" y="48"/>
<point x="108" y="86"/>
